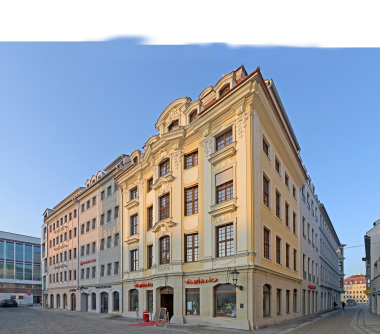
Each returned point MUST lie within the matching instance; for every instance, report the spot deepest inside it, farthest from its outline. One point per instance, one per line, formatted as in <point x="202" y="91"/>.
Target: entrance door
<point x="104" y="302"/>
<point x="84" y="302"/>
<point x="51" y="301"/>
<point x="73" y="302"/>
<point x="167" y="299"/>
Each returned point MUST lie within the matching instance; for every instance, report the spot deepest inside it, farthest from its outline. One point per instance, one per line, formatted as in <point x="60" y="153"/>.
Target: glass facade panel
<point x="10" y="270"/>
<point x="10" y="250"/>
<point x="28" y="271"/>
<point x="1" y="250"/>
<point x="19" y="252"/>
<point x="36" y="254"/>
<point x="28" y="253"/>
<point x="1" y="269"/>
<point x="19" y="271"/>
<point x="37" y="272"/>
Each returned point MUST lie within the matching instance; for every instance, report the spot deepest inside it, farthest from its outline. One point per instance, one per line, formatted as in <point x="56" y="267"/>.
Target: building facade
<point x="81" y="235"/>
<point x="215" y="190"/>
<point x="354" y="287"/>
<point x="20" y="268"/>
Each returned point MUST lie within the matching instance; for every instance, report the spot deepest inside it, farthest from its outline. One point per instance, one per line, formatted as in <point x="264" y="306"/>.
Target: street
<point x="35" y="319"/>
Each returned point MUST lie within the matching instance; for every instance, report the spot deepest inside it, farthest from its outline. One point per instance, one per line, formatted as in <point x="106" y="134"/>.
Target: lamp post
<point x="235" y="276"/>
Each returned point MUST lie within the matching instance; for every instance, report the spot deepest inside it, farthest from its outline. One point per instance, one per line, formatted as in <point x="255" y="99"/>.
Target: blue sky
<point x="68" y="109"/>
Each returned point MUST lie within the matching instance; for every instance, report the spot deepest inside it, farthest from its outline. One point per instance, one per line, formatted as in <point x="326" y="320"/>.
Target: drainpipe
<point x="78" y="234"/>
<point x="121" y="251"/>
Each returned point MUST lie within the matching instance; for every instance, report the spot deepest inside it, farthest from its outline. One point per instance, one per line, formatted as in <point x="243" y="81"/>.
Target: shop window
<point x="192" y="301"/>
<point x="225" y="301"/>
<point x="65" y="301"/>
<point x="165" y="250"/>
<point x="133" y="300"/>
<point x="116" y="301"/>
<point x="287" y="299"/>
<point x="93" y="301"/>
<point x="266" y="300"/>
<point x="149" y="294"/>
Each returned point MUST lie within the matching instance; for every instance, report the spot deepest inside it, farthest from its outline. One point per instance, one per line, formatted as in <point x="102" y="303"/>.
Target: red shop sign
<point x="88" y="261"/>
<point x="312" y="287"/>
<point x="143" y="285"/>
<point x="201" y="280"/>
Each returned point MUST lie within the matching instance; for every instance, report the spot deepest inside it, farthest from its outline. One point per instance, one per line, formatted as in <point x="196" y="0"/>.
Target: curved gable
<point x="173" y="111"/>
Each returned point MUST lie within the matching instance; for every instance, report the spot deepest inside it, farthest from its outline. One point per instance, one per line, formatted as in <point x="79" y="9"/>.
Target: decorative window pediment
<point x="163" y="225"/>
<point x="132" y="203"/>
<point x="224" y="207"/>
<point x="223" y="153"/>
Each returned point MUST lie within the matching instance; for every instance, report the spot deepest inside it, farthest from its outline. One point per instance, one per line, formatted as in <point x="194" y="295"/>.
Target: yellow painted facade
<point x="243" y="110"/>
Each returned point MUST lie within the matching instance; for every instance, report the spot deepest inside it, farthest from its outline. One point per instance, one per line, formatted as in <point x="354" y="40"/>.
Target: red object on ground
<point x="145" y="316"/>
<point x="150" y="323"/>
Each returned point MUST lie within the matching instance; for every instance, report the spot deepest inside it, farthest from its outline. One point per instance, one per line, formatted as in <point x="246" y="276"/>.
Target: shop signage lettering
<point x="88" y="261"/>
<point x="367" y="292"/>
<point x="312" y="287"/>
<point x="103" y="287"/>
<point x="143" y="285"/>
<point x="201" y="280"/>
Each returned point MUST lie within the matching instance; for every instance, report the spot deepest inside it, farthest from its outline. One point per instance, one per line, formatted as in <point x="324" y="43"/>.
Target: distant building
<point x="20" y="268"/>
<point x="354" y="287"/>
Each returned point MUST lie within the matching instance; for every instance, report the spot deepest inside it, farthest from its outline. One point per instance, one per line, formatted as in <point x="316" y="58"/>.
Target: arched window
<point x="165" y="249"/>
<point x="135" y="160"/>
<point x="133" y="300"/>
<point x="266" y="300"/>
<point x="116" y="301"/>
<point x="225" y="300"/>
<point x="224" y="90"/>
<point x="64" y="301"/>
<point x="58" y="301"/>
<point x="173" y="125"/>
<point x="192" y="116"/>
<point x="93" y="301"/>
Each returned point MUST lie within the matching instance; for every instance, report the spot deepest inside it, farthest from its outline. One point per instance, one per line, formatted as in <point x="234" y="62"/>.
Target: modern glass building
<point x="20" y="268"/>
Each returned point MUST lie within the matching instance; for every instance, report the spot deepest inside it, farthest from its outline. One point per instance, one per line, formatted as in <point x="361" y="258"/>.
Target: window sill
<point x="225" y="152"/>
<point x="132" y="239"/>
<point x="132" y="203"/>
<point x="224" y="207"/>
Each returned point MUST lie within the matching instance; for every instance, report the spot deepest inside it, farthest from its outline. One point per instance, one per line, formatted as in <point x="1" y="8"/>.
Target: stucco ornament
<point x="165" y="187"/>
<point x="173" y="113"/>
<point x="241" y="124"/>
<point x="223" y="218"/>
<point x="223" y="164"/>
<point x="141" y="188"/>
<point x="207" y="147"/>
<point x="177" y="157"/>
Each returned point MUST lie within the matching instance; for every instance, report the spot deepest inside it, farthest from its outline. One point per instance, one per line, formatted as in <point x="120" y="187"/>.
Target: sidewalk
<point x="367" y="322"/>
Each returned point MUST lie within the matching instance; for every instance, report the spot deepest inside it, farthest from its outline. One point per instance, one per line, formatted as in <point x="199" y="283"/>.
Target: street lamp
<point x="235" y="277"/>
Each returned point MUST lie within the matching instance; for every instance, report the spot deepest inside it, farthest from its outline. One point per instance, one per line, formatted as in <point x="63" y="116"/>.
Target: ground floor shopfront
<point x="99" y="299"/>
<point x="329" y="299"/>
<point x="310" y="298"/>
<point x="209" y="298"/>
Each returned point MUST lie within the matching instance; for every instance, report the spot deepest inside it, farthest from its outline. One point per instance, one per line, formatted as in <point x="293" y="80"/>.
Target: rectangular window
<point x="150" y="184"/>
<point x="102" y="267"/>
<point x="75" y="232"/>
<point x="294" y="259"/>
<point x="75" y="253"/>
<point x="134" y="259"/>
<point x="191" y="201"/>
<point x="191" y="248"/>
<point x="287" y="255"/>
<point x="191" y="160"/>
<point x="278" y="205"/>
<point x="286" y="214"/>
<point x="109" y="269"/>
<point x="133" y="193"/>
<point x="265" y="147"/>
<point x="70" y="273"/>
<point x="65" y="256"/>
<point x="65" y="218"/>
<point x="94" y="200"/>
<point x="109" y="191"/>
<point x="70" y="215"/>
<point x="75" y="275"/>
<point x="88" y="204"/>
<point x="109" y="214"/>
<point x="116" y="212"/>
<point x="60" y="238"/>
<point x="224" y="140"/>
<point x="287" y="300"/>
<point x="164" y="206"/>
<point x="102" y="244"/>
<point x="93" y="247"/>
<point x="75" y="213"/>
<point x="150" y="217"/>
<point x="102" y="219"/>
<point x="266" y="191"/>
<point x="278" y="250"/>
<point x="116" y="268"/>
<point x="266" y="243"/>
<point x="82" y="251"/>
<point x="277" y="166"/>
<point x="82" y="229"/>
<point x="88" y="226"/>
<point x="116" y="241"/>
<point x="224" y="240"/>
<point x="192" y="302"/>
<point x="294" y="223"/>
<point x="109" y="242"/>
<point x="87" y="273"/>
<point x="295" y="300"/>
<point x="82" y="274"/>
<point x="93" y="272"/>
<point x="294" y="192"/>
<point x="150" y="256"/>
<point x="134" y="224"/>
<point x="164" y="167"/>
<point x="278" y="301"/>
<point x="224" y="192"/>
<point x="69" y="254"/>
<point x="102" y="195"/>
<point x="94" y="224"/>
<point x="287" y="180"/>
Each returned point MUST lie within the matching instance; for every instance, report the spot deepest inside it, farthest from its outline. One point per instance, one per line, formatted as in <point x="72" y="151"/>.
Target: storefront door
<point x="73" y="302"/>
<point x="167" y="299"/>
<point x="84" y="302"/>
<point x="104" y="302"/>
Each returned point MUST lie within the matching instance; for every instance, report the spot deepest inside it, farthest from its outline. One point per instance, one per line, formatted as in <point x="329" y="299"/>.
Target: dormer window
<point x="164" y="167"/>
<point x="193" y="116"/>
<point x="135" y="160"/>
<point x="224" y="90"/>
<point x="173" y="125"/>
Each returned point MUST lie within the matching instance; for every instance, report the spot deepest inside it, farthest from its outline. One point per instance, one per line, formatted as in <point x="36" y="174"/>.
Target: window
<point x="286" y="214"/>
<point x="266" y="191"/>
<point x="266" y="243"/>
<point x="287" y="255"/>
<point x="116" y="213"/>
<point x="109" y="190"/>
<point x="102" y="219"/>
<point x="134" y="259"/>
<point x="191" y="248"/>
<point x="192" y="116"/>
<point x="82" y="274"/>
<point x="278" y="250"/>
<point x="87" y="272"/>
<point x="173" y="124"/>
<point x="265" y="147"/>
<point x="150" y="217"/>
<point x="150" y="256"/>
<point x="109" y="242"/>
<point x="191" y="201"/>
<point x="287" y="300"/>
<point x="225" y="301"/>
<point x="74" y="275"/>
<point x="116" y="268"/>
<point x="60" y="238"/>
<point x="109" y="269"/>
<point x="191" y="160"/>
<point x="109" y="214"/>
<point x="165" y="250"/>
<point x="116" y="241"/>
<point x="279" y="301"/>
<point x="65" y="218"/>
<point x="75" y="213"/>
<point x="164" y="167"/>
<point x="102" y="244"/>
<point x="102" y="268"/>
<point x="294" y="223"/>
<point x="224" y="140"/>
<point x="93" y="247"/>
<point x="116" y="301"/>
<point x="224" y="192"/>
<point x="65" y="236"/>
<point x="294" y="259"/>
<point x="135" y="160"/>
<point x="82" y="251"/>
<point x="94" y="224"/>
<point x="75" y="232"/>
<point x="164" y="206"/>
<point x="150" y="184"/>
<point x="88" y="249"/>
<point x="75" y="253"/>
<point x="303" y="227"/>
<point x="133" y="193"/>
<point x="88" y="204"/>
<point x="133" y="300"/>
<point x="192" y="301"/>
<point x="87" y="226"/>
<point x="93" y="274"/>
<point x="102" y="195"/>
<point x="224" y="240"/>
<point x="116" y="186"/>
<point x="82" y="229"/>
<point x="277" y="166"/>
<point x="294" y="192"/>
<point x="134" y="224"/>
<point x="295" y="300"/>
<point x="278" y="205"/>
<point x="224" y="90"/>
<point x="94" y="200"/>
